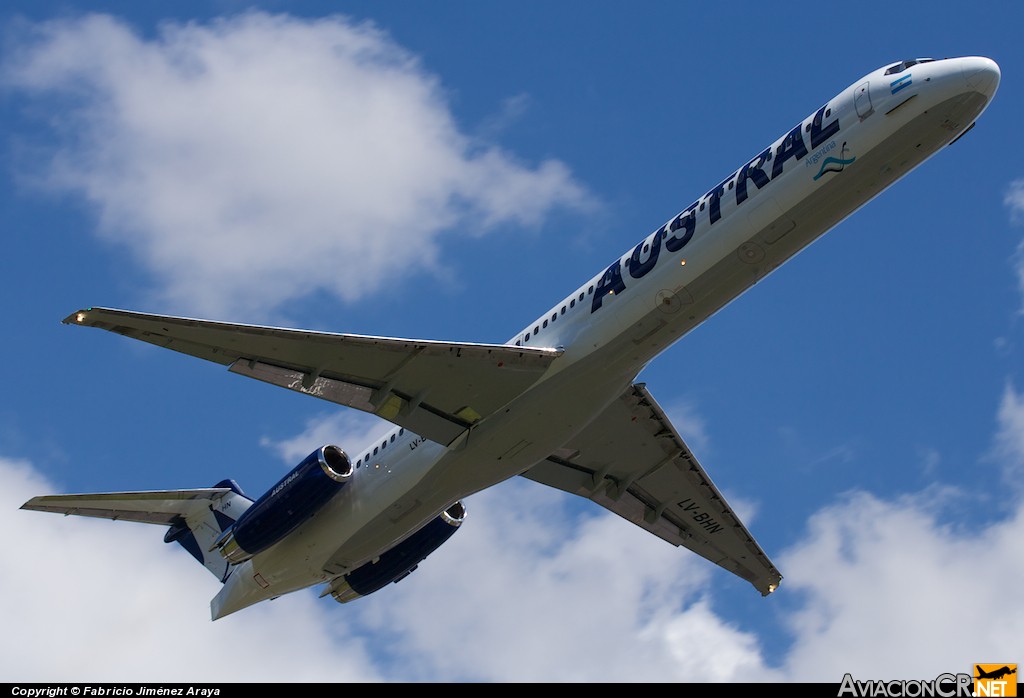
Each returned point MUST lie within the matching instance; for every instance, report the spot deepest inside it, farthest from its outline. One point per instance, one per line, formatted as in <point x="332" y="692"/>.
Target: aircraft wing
<point x="434" y="389"/>
<point x="165" y="507"/>
<point x="631" y="460"/>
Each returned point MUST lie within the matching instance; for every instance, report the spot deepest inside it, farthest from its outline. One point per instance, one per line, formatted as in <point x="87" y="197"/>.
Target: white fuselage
<point x="831" y="163"/>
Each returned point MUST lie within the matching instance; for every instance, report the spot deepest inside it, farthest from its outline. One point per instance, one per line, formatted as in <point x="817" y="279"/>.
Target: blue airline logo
<point x="833" y="164"/>
<point x="675" y="234"/>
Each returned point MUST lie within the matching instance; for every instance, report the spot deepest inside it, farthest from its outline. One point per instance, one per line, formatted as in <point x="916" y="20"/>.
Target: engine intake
<point x="400" y="561"/>
<point x="295" y="498"/>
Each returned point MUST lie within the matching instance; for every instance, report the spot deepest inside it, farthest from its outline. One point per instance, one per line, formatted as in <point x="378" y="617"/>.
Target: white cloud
<point x="527" y="590"/>
<point x="512" y="110"/>
<point x="100" y="601"/>
<point x="706" y="649"/>
<point x="889" y="589"/>
<point x="1010" y="438"/>
<point x="882" y="589"/>
<point x="256" y="159"/>
<point x="557" y="591"/>
<point x="691" y="425"/>
<point x="1014" y="200"/>
<point x="349" y="429"/>
<point x="524" y="591"/>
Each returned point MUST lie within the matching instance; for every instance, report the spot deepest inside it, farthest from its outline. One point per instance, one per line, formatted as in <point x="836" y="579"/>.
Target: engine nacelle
<point x="399" y="561"/>
<point x="299" y="495"/>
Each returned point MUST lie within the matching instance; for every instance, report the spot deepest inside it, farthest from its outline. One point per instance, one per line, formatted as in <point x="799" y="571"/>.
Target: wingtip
<point x="32" y="504"/>
<point x="78" y="317"/>
<point x="772" y="587"/>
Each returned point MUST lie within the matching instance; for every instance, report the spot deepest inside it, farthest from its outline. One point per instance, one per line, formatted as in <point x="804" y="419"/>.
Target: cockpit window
<point x="903" y="65"/>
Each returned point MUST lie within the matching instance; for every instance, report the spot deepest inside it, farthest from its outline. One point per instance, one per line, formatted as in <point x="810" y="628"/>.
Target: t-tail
<point x="222" y="528"/>
<point x="199" y="534"/>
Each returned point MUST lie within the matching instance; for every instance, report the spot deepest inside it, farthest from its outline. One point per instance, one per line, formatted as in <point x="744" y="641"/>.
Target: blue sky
<point x="448" y="171"/>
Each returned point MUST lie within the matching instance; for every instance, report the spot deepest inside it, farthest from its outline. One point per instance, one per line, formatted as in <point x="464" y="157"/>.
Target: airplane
<point x="558" y="403"/>
<point x="995" y="674"/>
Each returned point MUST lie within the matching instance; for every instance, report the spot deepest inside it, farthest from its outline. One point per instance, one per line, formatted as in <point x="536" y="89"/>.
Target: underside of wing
<point x="632" y="461"/>
<point x="435" y="389"/>
<point x="164" y="507"/>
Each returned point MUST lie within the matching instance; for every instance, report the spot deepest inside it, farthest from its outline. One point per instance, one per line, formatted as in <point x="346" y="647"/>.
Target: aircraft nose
<point x="981" y="74"/>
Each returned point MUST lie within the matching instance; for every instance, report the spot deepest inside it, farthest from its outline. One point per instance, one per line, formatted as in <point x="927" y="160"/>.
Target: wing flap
<point x="632" y="461"/>
<point x="395" y="407"/>
<point x="435" y="389"/>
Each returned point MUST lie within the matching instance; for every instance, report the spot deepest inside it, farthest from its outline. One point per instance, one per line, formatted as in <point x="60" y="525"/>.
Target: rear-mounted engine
<point x="399" y="561"/>
<point x="299" y="495"/>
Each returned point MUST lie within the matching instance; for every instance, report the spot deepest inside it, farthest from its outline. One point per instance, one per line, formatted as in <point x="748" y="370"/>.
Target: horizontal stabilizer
<point x="196" y="518"/>
<point x="154" y="507"/>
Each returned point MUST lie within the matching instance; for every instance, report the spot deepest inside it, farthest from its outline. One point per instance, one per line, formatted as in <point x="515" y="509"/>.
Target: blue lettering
<point x="814" y="159"/>
<point x="678" y="232"/>
<point x="611" y="282"/>
<point x="685" y="221"/>
<point x="819" y="133"/>
<point x="752" y="170"/>
<point x="792" y="146"/>
<point x="714" y="201"/>
<point x="651" y="246"/>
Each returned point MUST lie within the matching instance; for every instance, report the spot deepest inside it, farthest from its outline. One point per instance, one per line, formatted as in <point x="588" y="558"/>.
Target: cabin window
<point x="392" y="438"/>
<point x="589" y="291"/>
<point x="517" y="343"/>
<point x="374" y="450"/>
<point x="526" y="338"/>
<point x="401" y="431"/>
<point x="563" y="310"/>
<point x="572" y="303"/>
<point x="545" y="323"/>
<point x="581" y="295"/>
<point x="535" y="330"/>
<point x="554" y="316"/>
<point x="384" y="445"/>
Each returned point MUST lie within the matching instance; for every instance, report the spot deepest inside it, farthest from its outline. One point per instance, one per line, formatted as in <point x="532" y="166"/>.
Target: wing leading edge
<point x="435" y="389"/>
<point x="632" y="461"/>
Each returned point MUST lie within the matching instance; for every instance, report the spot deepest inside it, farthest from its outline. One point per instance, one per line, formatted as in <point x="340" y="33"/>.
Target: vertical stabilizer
<point x="198" y="530"/>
